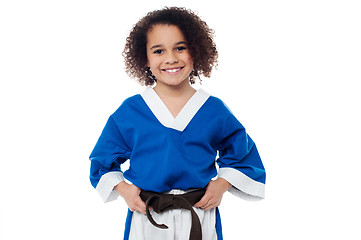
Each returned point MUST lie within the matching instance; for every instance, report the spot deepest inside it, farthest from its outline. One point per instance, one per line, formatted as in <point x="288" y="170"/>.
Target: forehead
<point x="162" y="34"/>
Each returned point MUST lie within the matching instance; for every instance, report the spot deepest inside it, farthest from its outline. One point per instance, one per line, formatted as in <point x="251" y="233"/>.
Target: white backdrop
<point x="289" y="70"/>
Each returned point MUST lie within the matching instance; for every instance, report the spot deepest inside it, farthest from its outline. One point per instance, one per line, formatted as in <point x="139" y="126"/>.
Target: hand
<point x="214" y="193"/>
<point x="130" y="193"/>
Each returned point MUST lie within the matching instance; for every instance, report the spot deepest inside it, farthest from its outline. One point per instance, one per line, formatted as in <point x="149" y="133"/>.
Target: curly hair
<point x="198" y="35"/>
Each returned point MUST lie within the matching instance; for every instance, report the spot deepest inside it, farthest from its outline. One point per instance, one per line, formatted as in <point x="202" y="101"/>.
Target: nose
<point x="171" y="58"/>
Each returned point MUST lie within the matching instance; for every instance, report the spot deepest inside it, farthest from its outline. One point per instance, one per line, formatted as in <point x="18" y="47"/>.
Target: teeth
<point x="172" y="70"/>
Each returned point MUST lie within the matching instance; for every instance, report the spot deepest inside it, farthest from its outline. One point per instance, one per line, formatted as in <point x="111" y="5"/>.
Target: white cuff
<point x="106" y="185"/>
<point x="242" y="186"/>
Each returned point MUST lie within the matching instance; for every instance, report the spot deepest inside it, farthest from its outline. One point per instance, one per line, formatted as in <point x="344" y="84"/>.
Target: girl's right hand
<point x="130" y="193"/>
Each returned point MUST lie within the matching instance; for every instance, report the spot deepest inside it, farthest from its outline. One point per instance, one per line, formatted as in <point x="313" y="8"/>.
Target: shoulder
<point x="127" y="105"/>
<point x="135" y="99"/>
<point x="218" y="105"/>
<point x="223" y="112"/>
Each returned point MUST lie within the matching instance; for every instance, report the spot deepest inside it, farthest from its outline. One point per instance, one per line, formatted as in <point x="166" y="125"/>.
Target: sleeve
<point x="239" y="162"/>
<point x="108" y="154"/>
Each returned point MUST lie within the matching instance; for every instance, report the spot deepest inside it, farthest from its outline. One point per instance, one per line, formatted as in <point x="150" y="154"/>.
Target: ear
<point x="147" y="64"/>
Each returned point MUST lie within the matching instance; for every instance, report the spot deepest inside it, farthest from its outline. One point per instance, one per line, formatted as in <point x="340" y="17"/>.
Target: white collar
<point x="164" y="116"/>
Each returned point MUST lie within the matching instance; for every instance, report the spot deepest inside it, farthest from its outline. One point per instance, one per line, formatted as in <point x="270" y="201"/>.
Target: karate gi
<point x="175" y="155"/>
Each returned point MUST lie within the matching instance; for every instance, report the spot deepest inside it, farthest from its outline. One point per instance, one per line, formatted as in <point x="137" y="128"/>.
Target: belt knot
<point x="164" y="202"/>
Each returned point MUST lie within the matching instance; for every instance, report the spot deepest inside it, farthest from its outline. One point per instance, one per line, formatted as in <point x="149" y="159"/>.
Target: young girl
<point x="172" y="135"/>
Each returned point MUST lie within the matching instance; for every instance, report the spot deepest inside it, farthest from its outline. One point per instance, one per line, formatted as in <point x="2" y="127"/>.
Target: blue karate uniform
<point x="204" y="141"/>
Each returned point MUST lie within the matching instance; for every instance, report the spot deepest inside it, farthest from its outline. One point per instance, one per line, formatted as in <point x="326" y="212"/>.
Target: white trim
<point x="157" y="106"/>
<point x="242" y="186"/>
<point x="164" y="116"/>
<point x="106" y="185"/>
<point x="190" y="109"/>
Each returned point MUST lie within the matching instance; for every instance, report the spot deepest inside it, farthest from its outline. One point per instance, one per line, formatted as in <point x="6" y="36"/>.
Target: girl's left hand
<point x="214" y="193"/>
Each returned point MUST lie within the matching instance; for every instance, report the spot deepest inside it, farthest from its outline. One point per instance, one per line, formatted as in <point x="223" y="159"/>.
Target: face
<point x="168" y="55"/>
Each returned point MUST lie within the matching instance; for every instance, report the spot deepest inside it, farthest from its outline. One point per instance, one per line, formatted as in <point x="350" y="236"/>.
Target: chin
<point x="173" y="83"/>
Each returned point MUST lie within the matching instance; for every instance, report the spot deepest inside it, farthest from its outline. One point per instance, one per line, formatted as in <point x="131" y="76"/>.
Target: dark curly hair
<point x="197" y="33"/>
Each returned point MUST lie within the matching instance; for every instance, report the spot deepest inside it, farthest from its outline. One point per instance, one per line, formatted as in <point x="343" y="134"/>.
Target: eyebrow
<point x="160" y="45"/>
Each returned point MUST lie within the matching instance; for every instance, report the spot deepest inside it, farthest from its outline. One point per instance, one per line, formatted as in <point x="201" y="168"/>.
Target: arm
<point x="108" y="154"/>
<point x="239" y="162"/>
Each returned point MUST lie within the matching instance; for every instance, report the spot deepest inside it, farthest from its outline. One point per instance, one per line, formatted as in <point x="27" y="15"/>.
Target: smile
<point x="172" y="70"/>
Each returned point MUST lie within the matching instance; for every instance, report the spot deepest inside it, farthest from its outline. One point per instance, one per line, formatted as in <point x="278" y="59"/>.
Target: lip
<point x="173" y="70"/>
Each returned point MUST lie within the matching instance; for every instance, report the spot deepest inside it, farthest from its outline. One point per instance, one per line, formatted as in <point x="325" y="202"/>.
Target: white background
<point x="289" y="70"/>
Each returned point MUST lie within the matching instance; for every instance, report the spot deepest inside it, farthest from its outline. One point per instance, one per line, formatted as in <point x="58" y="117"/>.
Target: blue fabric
<point x="127" y="225"/>
<point x="162" y="159"/>
<point x="218" y="225"/>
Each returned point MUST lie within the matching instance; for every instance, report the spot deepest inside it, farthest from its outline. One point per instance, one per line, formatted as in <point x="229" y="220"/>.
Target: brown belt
<point x="161" y="202"/>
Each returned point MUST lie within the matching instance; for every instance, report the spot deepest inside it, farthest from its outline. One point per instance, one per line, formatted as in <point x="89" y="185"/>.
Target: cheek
<point x="152" y="63"/>
<point x="151" y="60"/>
<point x="189" y="58"/>
<point x="190" y="61"/>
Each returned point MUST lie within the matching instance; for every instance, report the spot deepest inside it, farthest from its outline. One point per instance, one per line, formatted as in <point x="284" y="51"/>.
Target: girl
<point x="172" y="135"/>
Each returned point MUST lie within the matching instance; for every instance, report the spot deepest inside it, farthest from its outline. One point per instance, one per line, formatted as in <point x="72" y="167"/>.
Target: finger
<point x="200" y="203"/>
<point x="141" y="205"/>
<point x="204" y="200"/>
<point x="207" y="208"/>
<point x="137" y="208"/>
<point x="212" y="203"/>
<point x="209" y="204"/>
<point x="141" y="210"/>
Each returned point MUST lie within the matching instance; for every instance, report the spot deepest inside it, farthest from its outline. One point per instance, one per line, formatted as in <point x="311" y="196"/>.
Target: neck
<point x="176" y="91"/>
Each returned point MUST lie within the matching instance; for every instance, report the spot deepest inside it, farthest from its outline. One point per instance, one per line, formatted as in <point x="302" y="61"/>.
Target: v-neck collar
<point x="164" y="116"/>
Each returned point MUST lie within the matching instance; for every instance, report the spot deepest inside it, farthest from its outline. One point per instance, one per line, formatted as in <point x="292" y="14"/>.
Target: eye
<point x="158" y="51"/>
<point x="181" y="48"/>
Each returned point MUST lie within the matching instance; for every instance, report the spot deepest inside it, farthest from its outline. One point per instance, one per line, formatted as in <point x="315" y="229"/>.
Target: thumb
<point x="203" y="201"/>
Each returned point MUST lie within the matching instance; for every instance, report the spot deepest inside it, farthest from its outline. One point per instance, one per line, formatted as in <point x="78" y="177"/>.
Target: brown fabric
<point x="164" y="202"/>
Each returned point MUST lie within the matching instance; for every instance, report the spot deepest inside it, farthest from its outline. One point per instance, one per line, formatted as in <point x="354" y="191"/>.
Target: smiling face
<point x="168" y="55"/>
